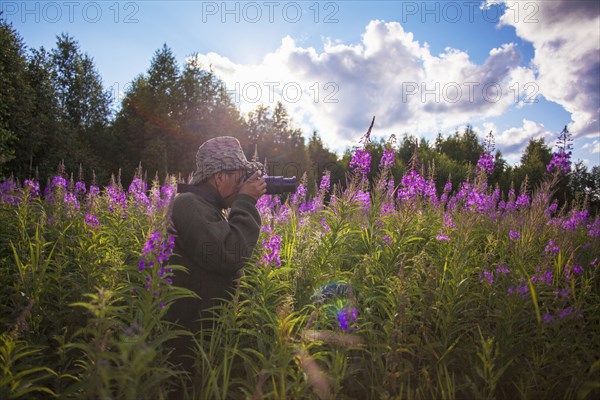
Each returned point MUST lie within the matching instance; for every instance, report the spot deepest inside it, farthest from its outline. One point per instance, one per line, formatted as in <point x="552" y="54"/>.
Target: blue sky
<point x="420" y="67"/>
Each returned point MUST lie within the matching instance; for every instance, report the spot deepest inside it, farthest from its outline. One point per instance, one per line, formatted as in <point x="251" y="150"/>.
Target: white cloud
<point x="389" y="75"/>
<point x="593" y="148"/>
<point x="512" y="141"/>
<point x="566" y="37"/>
<point x="394" y="77"/>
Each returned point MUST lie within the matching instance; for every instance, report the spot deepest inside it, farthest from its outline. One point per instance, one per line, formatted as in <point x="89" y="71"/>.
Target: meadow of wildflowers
<point x="376" y="291"/>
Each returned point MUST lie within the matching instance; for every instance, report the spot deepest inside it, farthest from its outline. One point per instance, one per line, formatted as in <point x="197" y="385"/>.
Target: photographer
<point x="210" y="242"/>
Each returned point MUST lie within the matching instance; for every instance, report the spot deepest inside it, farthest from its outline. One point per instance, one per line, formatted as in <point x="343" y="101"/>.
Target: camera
<point x="278" y="184"/>
<point x="275" y="185"/>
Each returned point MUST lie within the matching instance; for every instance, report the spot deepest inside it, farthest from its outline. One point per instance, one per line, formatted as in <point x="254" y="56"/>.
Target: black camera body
<point x="278" y="184"/>
<point x="275" y="185"/>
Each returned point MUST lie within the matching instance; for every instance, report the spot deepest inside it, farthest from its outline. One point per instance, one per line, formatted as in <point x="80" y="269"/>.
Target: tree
<point x="462" y="147"/>
<point x="167" y="114"/>
<point x="500" y="166"/>
<point x="585" y="186"/>
<point x="322" y="159"/>
<point x="282" y="146"/>
<point x="534" y="160"/>
<point x="149" y="121"/>
<point x="41" y="148"/>
<point x="83" y="104"/>
<point x="208" y="112"/>
<point x="407" y="148"/>
<point x="13" y="93"/>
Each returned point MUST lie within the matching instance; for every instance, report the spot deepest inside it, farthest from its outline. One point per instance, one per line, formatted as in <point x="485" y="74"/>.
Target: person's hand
<point x="255" y="186"/>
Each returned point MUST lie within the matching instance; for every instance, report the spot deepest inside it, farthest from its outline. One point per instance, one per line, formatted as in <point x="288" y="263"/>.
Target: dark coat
<point x="212" y="246"/>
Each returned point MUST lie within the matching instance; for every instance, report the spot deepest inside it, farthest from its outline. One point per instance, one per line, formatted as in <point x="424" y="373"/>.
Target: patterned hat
<point x="222" y="153"/>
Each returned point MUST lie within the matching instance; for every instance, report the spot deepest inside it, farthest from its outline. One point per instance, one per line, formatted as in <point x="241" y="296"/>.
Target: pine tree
<point x="84" y="106"/>
<point x="14" y="92"/>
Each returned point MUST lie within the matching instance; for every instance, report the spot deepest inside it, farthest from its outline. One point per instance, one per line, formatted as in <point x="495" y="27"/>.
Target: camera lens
<point x="280" y="184"/>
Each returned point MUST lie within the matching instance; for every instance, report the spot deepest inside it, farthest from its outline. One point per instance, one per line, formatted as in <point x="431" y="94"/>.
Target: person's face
<point x="228" y="184"/>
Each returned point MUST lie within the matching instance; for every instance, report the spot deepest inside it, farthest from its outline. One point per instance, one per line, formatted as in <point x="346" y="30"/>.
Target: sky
<point x="521" y="69"/>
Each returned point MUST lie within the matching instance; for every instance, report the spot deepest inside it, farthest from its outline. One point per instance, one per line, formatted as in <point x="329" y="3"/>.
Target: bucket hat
<point x="223" y="153"/>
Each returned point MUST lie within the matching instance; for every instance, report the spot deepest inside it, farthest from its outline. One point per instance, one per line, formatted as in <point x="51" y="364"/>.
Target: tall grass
<point x="380" y="291"/>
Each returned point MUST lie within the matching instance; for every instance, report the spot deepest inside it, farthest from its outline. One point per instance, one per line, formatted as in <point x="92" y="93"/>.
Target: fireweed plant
<point x="382" y="290"/>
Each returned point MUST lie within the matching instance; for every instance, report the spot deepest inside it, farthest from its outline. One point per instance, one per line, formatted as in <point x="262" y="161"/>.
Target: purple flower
<point x="542" y="277"/>
<point x="547" y="317"/>
<point x="561" y="160"/>
<point x="271" y="248"/>
<point x="414" y="186"/>
<point x="391" y="187"/>
<point x="519" y="290"/>
<point x="387" y="209"/>
<point x="80" y="188"/>
<point x="474" y="198"/>
<point x="576" y="218"/>
<point x="387" y="239"/>
<point x="91" y="221"/>
<point x="264" y="205"/>
<point x="159" y="198"/>
<point x="594" y="228"/>
<point x="299" y="196"/>
<point x="34" y="188"/>
<point x="514" y="235"/>
<point x="152" y="243"/>
<point x="448" y="223"/>
<point x="94" y="191"/>
<point x="551" y="209"/>
<point x="442" y="237"/>
<point x="361" y="162"/>
<point x="284" y="214"/>
<point x="347" y="318"/>
<point x="485" y="163"/>
<point x="58" y="182"/>
<point x="71" y="201"/>
<point x="523" y="201"/>
<point x="116" y="198"/>
<point x="138" y="189"/>
<point x="266" y="228"/>
<point x="7" y="190"/>
<point x="552" y="248"/>
<point x="502" y="270"/>
<point x="325" y="182"/>
<point x="486" y="160"/>
<point x="364" y="198"/>
<point x="486" y="277"/>
<point x="562" y="293"/>
<point x="324" y="224"/>
<point x="156" y="252"/>
<point x="566" y="312"/>
<point x="448" y="187"/>
<point x="387" y="159"/>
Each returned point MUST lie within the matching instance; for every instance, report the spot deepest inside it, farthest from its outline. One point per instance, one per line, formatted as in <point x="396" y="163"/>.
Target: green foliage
<point x="367" y="301"/>
<point x="54" y="107"/>
<point x="375" y="296"/>
<point x="54" y="110"/>
<point x="13" y="95"/>
<point x="21" y="376"/>
<point x="84" y="320"/>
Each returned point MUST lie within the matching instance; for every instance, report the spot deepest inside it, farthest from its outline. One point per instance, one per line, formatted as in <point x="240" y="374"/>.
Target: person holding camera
<point x="216" y="226"/>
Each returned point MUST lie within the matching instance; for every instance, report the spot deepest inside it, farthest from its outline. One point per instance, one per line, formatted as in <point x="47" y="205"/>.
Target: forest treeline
<point x="54" y="109"/>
